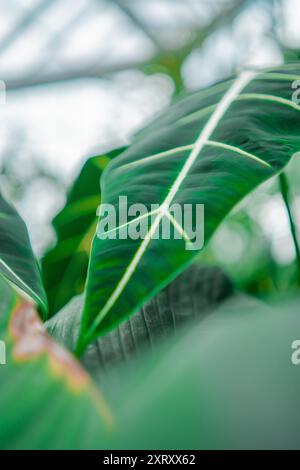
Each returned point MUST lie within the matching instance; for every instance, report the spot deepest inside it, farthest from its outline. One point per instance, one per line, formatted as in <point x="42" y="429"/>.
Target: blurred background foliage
<point x="82" y="77"/>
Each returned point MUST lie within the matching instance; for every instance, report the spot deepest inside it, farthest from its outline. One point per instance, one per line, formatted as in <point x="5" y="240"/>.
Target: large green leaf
<point x="212" y="147"/>
<point x="191" y="296"/>
<point x="46" y="399"/>
<point x="64" y="267"/>
<point x="17" y="261"/>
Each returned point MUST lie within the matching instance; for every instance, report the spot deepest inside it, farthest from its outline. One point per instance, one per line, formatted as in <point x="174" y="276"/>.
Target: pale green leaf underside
<point x="17" y="262"/>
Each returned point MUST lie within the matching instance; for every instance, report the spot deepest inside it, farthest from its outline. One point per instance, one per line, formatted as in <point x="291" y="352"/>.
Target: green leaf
<point x="17" y="262"/>
<point x="228" y="383"/>
<point x="189" y="297"/>
<point x="64" y="267"/>
<point x="47" y="401"/>
<point x="212" y="147"/>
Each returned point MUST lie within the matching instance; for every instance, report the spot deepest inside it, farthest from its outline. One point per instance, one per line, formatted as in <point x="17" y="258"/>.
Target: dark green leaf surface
<point x="46" y="399"/>
<point x="17" y="261"/>
<point x="188" y="298"/>
<point x="213" y="148"/>
<point x="65" y="266"/>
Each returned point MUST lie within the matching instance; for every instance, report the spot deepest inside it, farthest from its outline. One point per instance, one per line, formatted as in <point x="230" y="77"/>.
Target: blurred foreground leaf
<point x="228" y="383"/>
<point x="47" y="401"/>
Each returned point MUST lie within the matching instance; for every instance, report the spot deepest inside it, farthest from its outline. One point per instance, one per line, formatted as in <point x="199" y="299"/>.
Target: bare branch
<point x="27" y="20"/>
<point x="87" y="71"/>
<point x="138" y="22"/>
<point x="97" y="71"/>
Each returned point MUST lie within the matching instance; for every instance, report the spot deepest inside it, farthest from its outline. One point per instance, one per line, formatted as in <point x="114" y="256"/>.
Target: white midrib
<point x="229" y="97"/>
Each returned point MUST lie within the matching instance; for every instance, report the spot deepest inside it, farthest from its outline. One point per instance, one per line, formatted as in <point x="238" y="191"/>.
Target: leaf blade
<point x="219" y="179"/>
<point x="190" y="297"/>
<point x="17" y="261"/>
<point x="64" y="266"/>
<point x="40" y="383"/>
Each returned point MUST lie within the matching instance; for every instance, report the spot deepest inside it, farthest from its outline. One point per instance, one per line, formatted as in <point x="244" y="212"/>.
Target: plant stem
<point x="285" y="191"/>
